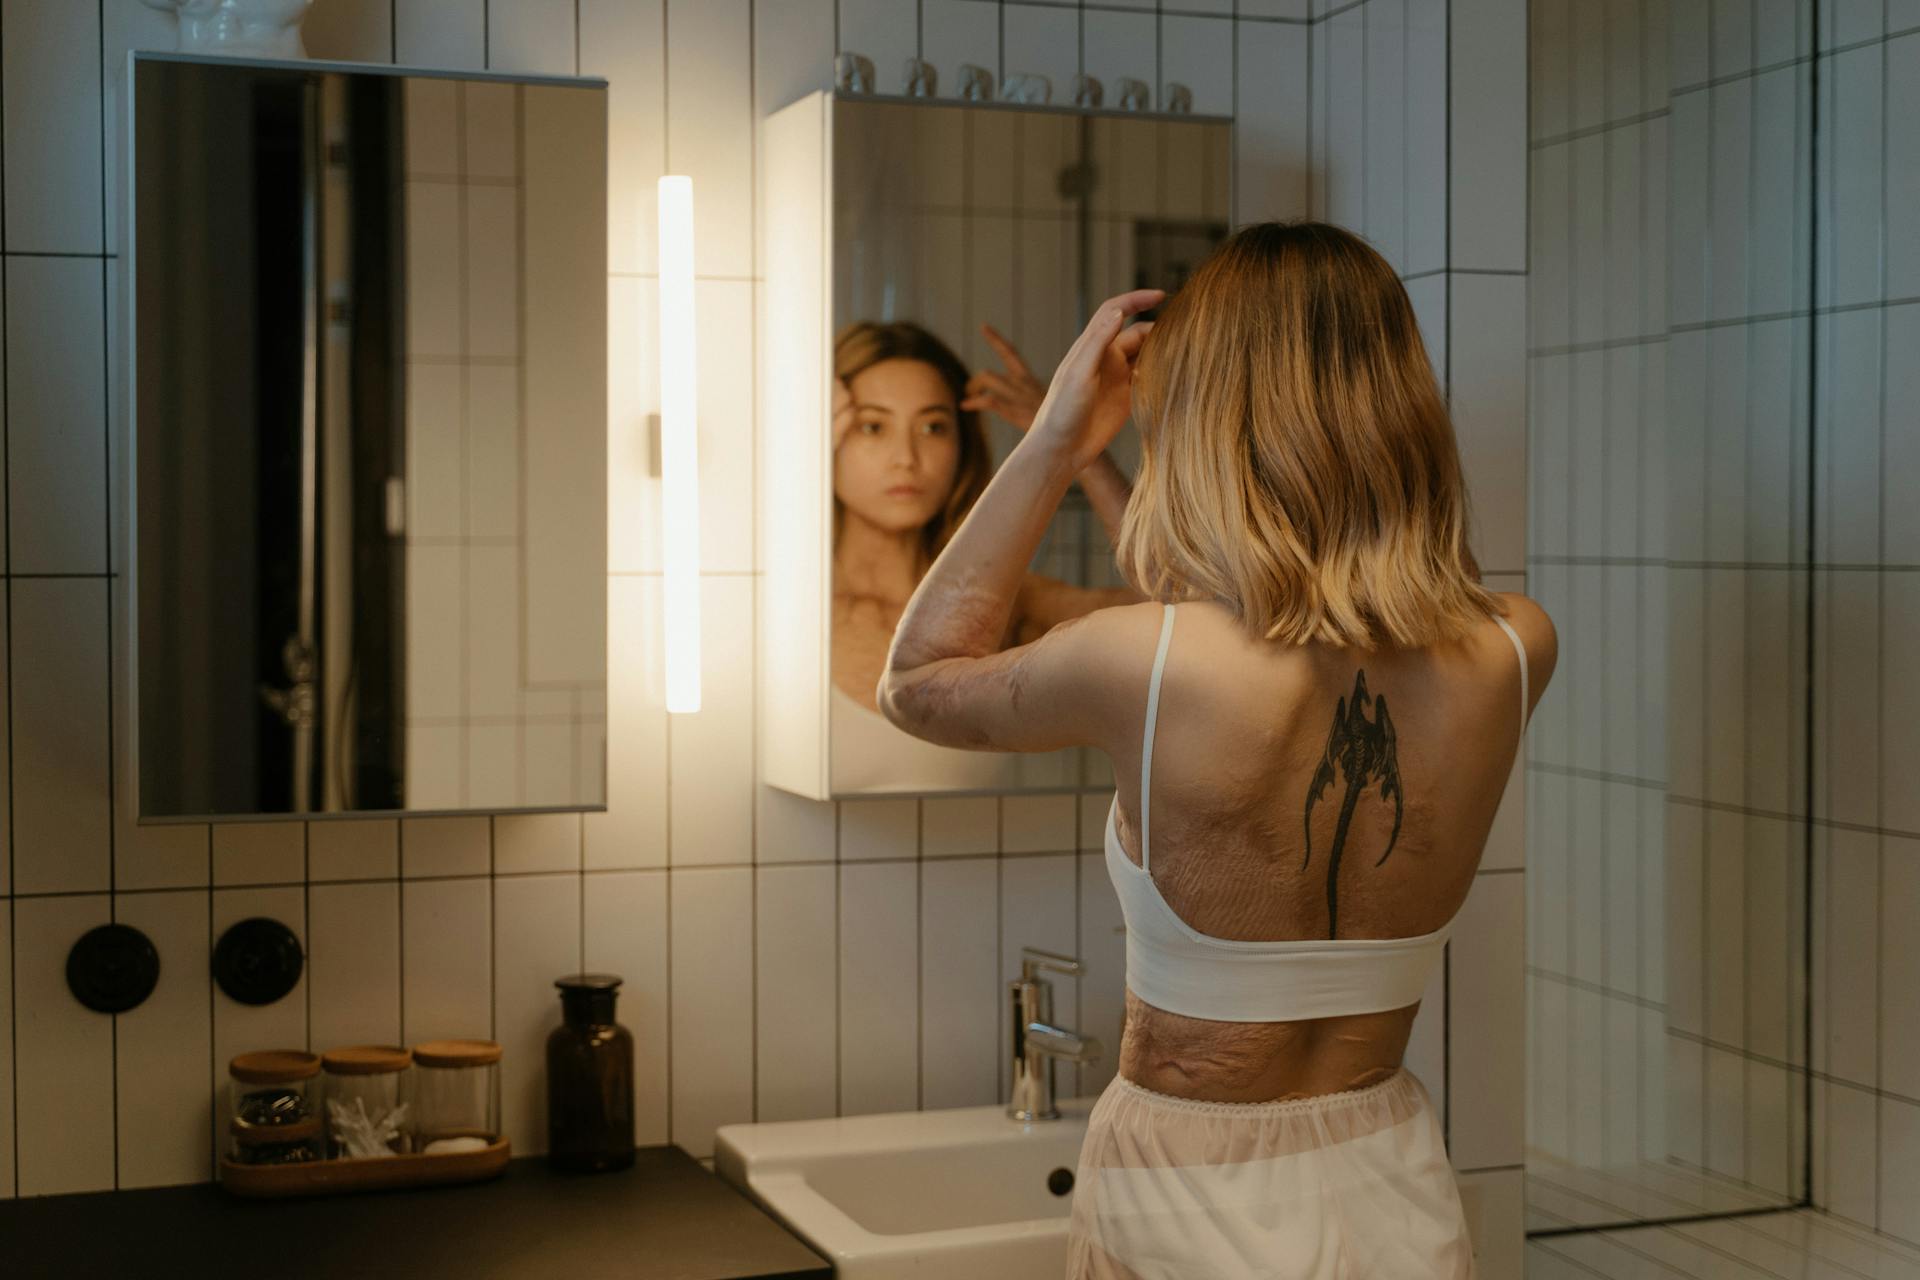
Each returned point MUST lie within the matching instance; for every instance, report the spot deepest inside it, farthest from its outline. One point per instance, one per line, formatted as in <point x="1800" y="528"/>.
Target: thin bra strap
<point x="1520" y="649"/>
<point x="1153" y="713"/>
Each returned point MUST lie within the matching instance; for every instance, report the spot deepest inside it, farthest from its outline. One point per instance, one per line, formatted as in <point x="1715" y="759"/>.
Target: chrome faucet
<point x="1037" y="1043"/>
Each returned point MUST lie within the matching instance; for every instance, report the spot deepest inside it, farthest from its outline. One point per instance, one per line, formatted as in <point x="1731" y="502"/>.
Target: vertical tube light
<point x="679" y="452"/>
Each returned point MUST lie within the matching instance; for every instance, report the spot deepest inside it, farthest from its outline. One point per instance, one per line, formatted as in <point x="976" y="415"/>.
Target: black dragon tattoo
<point x="1362" y="751"/>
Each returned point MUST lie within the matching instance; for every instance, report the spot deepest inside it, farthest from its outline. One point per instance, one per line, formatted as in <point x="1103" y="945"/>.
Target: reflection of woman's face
<point x="895" y="467"/>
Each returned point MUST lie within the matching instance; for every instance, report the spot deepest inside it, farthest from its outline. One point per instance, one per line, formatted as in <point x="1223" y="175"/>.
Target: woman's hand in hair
<point x="1092" y="391"/>
<point x="842" y="410"/>
<point x="1014" y="393"/>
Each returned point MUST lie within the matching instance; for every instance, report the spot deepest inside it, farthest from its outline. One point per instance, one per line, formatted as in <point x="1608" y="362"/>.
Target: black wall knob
<point x="113" y="968"/>
<point x="257" y="961"/>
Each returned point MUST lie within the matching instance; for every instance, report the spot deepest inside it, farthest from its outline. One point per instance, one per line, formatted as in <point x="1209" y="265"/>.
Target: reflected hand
<point x="1092" y="391"/>
<point x="842" y="411"/>
<point x="1014" y="394"/>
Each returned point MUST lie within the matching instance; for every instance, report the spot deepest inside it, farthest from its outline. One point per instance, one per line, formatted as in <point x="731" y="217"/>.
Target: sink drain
<point x="1060" y="1181"/>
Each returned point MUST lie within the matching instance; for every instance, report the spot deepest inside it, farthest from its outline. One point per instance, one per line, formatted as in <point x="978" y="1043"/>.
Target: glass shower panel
<point x="1670" y="504"/>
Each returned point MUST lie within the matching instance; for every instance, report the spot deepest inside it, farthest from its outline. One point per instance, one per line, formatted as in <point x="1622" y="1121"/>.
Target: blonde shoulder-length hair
<point x="1298" y="463"/>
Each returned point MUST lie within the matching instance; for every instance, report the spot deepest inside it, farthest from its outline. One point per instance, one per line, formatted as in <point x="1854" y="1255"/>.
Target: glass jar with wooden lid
<point x="273" y="1107"/>
<point x="454" y="1096"/>
<point x="366" y="1112"/>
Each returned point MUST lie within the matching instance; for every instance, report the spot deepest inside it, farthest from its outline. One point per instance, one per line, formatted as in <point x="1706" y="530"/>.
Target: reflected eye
<point x="936" y="426"/>
<point x="871" y="426"/>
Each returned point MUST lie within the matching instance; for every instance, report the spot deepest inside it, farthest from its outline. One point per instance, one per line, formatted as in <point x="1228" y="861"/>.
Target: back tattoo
<point x="1362" y="750"/>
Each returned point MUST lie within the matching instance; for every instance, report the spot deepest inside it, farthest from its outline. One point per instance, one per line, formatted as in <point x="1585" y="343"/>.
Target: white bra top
<point x="1175" y="967"/>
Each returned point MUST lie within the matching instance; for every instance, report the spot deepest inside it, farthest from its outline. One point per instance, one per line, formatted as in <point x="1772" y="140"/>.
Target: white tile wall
<point x="624" y="922"/>
<point x="796" y="965"/>
<point x="63" y="1054"/>
<point x="446" y="940"/>
<point x="710" y="1038"/>
<point x="536" y="937"/>
<point x="163" y="1047"/>
<point x="879" y="979"/>
<point x="410" y="933"/>
<point x="353" y="958"/>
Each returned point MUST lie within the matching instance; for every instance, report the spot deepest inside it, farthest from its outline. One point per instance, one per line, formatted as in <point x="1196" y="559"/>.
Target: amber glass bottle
<point x="589" y="1079"/>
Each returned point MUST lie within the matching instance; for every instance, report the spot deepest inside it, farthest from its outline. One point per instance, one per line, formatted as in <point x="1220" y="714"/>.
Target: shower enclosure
<point x="1714" y="313"/>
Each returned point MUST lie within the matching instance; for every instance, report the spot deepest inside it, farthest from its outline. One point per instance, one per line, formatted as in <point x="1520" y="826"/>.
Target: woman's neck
<point x="871" y="561"/>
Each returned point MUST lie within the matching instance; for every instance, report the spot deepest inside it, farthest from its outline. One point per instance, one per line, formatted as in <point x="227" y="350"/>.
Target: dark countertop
<point x="666" y="1218"/>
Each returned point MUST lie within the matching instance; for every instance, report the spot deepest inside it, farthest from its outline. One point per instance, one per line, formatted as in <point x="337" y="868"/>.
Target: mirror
<point x="942" y="220"/>
<point x="369" y="322"/>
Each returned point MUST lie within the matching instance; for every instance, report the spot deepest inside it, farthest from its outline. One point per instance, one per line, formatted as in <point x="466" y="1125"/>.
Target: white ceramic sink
<point x="928" y="1194"/>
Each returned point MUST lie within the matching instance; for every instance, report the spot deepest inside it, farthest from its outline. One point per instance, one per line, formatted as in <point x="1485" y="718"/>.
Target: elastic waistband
<point x="1401" y="1081"/>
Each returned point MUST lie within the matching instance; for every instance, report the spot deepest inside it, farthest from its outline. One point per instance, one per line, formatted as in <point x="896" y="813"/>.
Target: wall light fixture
<point x="679" y="448"/>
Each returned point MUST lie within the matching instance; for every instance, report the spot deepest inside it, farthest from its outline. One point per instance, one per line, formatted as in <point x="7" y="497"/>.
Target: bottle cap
<point x="588" y="982"/>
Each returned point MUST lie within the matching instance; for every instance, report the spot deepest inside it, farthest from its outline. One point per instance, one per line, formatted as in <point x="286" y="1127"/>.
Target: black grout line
<point x="1599" y="344"/>
<point x="106" y="472"/>
<point x="1577" y="637"/>
<point x="53" y="253"/>
<point x="1798" y="313"/>
<point x="1880" y="670"/>
<point x="6" y="592"/>
<point x="1747" y="1146"/>
<point x="1641" y="717"/>
<point x="1607" y="852"/>
<point x="1588" y="131"/>
<point x="65" y="577"/>
<point x="1828" y="53"/>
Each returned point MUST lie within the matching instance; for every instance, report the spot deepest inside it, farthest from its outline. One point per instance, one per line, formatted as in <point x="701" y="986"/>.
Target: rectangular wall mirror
<point x="897" y="230"/>
<point x="369" y="319"/>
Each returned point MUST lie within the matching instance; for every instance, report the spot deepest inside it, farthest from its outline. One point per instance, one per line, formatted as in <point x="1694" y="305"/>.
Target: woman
<point x="1312" y="720"/>
<point x="909" y="459"/>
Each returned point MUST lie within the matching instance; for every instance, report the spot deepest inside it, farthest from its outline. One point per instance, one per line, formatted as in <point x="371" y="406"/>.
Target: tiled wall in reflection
<point x="483" y="726"/>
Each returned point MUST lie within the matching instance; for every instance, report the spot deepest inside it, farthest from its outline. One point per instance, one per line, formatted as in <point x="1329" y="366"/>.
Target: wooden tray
<point x="378" y="1173"/>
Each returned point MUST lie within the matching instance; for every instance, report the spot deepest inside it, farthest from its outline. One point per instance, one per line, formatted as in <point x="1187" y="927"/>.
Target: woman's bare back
<point x="1310" y="793"/>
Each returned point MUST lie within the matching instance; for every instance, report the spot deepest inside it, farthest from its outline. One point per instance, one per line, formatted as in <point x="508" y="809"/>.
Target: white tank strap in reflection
<point x="1153" y="713"/>
<point x="1520" y="649"/>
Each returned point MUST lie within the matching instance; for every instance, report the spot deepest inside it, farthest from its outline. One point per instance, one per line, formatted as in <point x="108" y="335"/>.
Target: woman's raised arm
<point x="946" y="679"/>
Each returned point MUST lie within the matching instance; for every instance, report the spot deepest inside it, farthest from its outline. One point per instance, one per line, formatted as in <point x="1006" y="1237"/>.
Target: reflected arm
<point x="1045" y="603"/>
<point x="1107" y="490"/>
<point x="946" y="680"/>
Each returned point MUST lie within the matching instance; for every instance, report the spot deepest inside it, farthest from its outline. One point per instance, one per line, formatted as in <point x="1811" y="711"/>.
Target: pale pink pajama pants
<point x="1343" y="1185"/>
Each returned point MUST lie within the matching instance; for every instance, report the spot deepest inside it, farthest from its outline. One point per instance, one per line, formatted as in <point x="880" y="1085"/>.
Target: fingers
<point x="1008" y="353"/>
<point x="1134" y="301"/>
<point x="1131" y="339"/>
<point x="1018" y="412"/>
<point x="842" y="410"/>
<point x="991" y="382"/>
<point x="1111" y="316"/>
